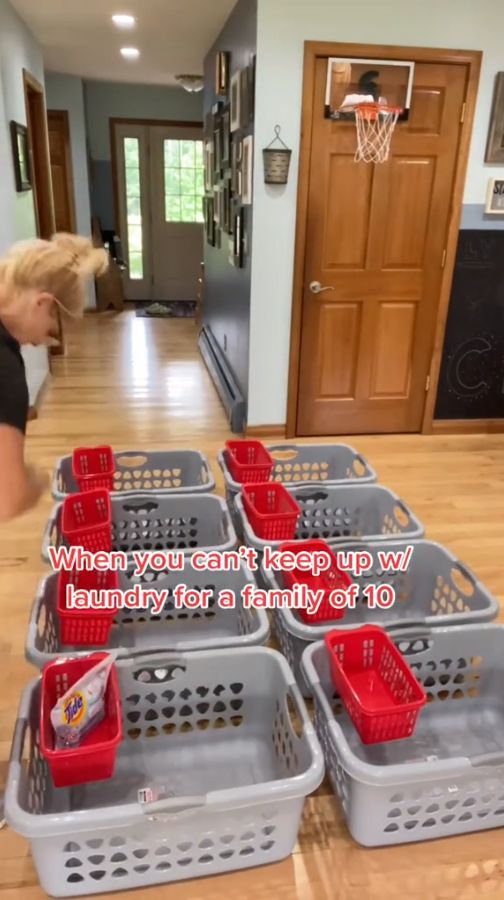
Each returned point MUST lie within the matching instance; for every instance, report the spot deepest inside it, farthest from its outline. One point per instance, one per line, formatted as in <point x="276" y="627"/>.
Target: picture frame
<point x="231" y="258"/>
<point x="244" y="97"/>
<point x="238" y="234"/>
<point x="21" y="157"/>
<point x="247" y="164"/>
<point x="222" y="64"/>
<point x="494" y="152"/>
<point x="210" y="221"/>
<point x="217" y="152"/>
<point x="234" y="102"/>
<point x="236" y="157"/>
<point x="227" y="208"/>
<point x="494" y="205"/>
<point x="226" y="138"/>
<point x="209" y="165"/>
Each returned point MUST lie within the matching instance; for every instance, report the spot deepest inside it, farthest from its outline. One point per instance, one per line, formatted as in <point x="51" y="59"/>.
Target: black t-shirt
<point x="13" y="387"/>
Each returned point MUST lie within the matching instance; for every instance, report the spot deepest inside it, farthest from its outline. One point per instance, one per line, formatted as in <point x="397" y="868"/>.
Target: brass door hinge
<point x="443" y="259"/>
<point x="462" y="112"/>
<point x="427" y="383"/>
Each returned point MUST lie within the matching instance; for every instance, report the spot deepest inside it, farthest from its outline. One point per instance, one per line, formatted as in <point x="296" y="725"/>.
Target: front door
<point x="376" y="236"/>
<point x="159" y="171"/>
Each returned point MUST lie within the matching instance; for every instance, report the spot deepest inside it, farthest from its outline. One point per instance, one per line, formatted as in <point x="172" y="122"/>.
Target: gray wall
<point x="227" y="289"/>
<point x="67" y="92"/>
<point x="105" y="100"/>
<point x="18" y="50"/>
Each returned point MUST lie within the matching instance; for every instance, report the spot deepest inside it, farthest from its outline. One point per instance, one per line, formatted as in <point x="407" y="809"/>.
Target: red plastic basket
<point x="85" y="627"/>
<point x="271" y="510"/>
<point x="87" y="520"/>
<point x="248" y="461"/>
<point x="330" y="580"/>
<point x="94" y="467"/>
<point x="95" y="759"/>
<point x="378" y="688"/>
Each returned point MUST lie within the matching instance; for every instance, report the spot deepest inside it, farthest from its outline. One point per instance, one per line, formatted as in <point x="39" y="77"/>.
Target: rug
<point x="167" y="309"/>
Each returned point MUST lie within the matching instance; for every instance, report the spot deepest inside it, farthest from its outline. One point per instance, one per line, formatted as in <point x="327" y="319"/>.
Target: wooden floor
<point x="137" y="383"/>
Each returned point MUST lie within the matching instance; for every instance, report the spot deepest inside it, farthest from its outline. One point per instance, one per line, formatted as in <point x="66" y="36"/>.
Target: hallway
<point x="140" y="384"/>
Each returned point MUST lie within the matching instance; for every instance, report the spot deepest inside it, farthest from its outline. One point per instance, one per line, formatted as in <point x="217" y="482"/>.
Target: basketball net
<point x="375" y="126"/>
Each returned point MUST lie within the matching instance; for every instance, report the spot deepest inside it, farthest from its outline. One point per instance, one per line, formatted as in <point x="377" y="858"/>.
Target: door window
<point x="184" y="180"/>
<point x="133" y="207"/>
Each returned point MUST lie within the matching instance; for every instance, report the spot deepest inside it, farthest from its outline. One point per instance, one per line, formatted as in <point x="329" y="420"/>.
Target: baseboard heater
<point x="224" y="380"/>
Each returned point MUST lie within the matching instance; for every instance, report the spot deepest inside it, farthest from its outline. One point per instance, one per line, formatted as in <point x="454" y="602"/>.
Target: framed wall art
<point x="244" y="98"/>
<point x="226" y="138"/>
<point x="495" y="197"/>
<point x="246" y="169"/>
<point x="238" y="236"/>
<point x="234" y="102"/>
<point x="236" y="158"/>
<point x="222" y="61"/>
<point x="495" y="143"/>
<point x="21" y="156"/>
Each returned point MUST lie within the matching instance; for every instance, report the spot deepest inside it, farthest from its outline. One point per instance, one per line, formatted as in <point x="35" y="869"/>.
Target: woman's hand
<point x="21" y="486"/>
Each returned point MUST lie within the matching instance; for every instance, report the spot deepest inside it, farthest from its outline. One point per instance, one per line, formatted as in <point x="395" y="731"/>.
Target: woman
<point x="35" y="279"/>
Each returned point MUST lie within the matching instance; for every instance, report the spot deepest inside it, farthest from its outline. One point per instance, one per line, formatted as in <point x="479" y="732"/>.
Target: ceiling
<point x="78" y="37"/>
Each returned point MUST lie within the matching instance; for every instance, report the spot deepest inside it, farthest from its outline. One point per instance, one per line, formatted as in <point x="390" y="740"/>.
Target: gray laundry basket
<point x="448" y="778"/>
<point x="160" y="471"/>
<point x="342" y="514"/>
<point x="185" y="522"/>
<point x="224" y="742"/>
<point x="137" y="630"/>
<point x="436" y="589"/>
<point x="309" y="464"/>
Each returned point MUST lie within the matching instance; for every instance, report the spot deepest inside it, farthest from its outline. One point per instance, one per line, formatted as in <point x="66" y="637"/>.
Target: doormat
<point x="167" y="309"/>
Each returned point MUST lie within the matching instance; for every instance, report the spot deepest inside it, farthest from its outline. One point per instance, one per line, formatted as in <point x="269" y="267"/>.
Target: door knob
<point x="316" y="287"/>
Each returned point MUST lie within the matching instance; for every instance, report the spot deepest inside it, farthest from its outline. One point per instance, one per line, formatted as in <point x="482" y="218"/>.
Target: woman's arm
<point x="20" y="486"/>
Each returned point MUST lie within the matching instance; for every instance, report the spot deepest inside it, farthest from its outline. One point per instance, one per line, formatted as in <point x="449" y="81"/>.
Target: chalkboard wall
<point x="471" y="384"/>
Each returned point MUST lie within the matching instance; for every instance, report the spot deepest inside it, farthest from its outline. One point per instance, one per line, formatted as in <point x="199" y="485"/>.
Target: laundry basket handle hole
<point x="283" y="453"/>
<point x="141" y="507"/>
<point x="401" y="515"/>
<point x="359" y="466"/>
<point x="131" y="462"/>
<point x="462" y="581"/>
<point x="296" y="711"/>
<point x="158" y="674"/>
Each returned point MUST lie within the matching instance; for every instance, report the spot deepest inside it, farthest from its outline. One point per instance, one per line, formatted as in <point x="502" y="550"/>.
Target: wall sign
<point x="495" y="197"/>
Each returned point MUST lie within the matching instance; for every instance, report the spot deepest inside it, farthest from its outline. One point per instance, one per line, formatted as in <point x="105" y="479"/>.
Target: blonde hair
<point x="60" y="266"/>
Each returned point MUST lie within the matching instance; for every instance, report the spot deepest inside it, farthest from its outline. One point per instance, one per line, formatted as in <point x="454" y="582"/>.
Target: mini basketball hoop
<point x="375" y="126"/>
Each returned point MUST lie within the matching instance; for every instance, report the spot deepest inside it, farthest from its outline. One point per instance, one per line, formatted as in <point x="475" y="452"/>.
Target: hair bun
<point x="86" y="259"/>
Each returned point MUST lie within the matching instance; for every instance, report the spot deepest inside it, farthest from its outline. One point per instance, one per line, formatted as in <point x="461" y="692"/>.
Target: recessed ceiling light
<point x="122" y="20"/>
<point x="130" y="52"/>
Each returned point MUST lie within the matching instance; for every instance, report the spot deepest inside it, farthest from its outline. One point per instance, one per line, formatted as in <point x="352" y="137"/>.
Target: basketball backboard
<point x="352" y="82"/>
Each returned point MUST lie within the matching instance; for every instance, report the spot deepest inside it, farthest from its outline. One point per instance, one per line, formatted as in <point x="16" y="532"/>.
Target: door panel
<point x="177" y="246"/>
<point x="390" y="374"/>
<point x="338" y="342"/>
<point x="411" y="182"/>
<point x="376" y="236"/>
<point x="61" y="170"/>
<point x="349" y="195"/>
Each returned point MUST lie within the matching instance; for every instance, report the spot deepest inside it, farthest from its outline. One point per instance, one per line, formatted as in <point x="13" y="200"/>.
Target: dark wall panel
<point x="471" y="382"/>
<point x="227" y="289"/>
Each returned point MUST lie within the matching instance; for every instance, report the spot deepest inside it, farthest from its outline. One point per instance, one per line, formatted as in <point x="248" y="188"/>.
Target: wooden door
<point x="176" y="188"/>
<point x="61" y="169"/>
<point x="376" y="235"/>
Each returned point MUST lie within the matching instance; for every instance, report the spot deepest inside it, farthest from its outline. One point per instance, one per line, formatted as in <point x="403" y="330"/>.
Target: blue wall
<point x="227" y="289"/>
<point x="107" y="100"/>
